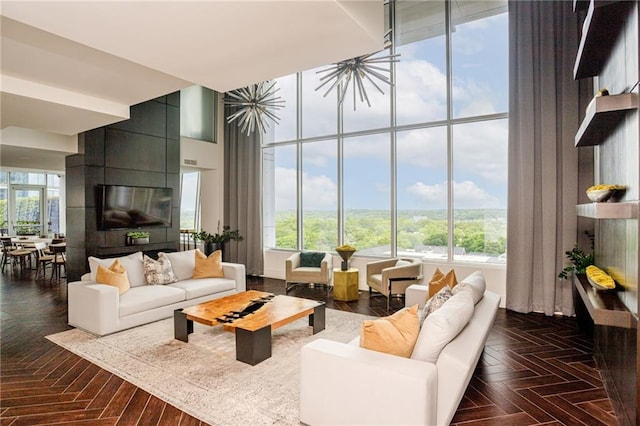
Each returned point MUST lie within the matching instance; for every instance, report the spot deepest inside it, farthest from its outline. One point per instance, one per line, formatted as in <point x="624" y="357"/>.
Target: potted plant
<point x="213" y="242"/>
<point x="136" y="238"/>
<point x="579" y="259"/>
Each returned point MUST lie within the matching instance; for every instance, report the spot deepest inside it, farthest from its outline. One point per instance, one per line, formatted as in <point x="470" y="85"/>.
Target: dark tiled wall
<point x="141" y="151"/>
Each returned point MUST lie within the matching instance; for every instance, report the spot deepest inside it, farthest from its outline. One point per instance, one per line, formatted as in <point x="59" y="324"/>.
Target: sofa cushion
<point x="182" y="263"/>
<point x="311" y="259"/>
<point x="208" y="267"/>
<point x="132" y="263"/>
<point x="198" y="287"/>
<point x="115" y="276"/>
<point x="440" y="280"/>
<point x="435" y="303"/>
<point x="395" y="334"/>
<point x="144" y="298"/>
<point x="474" y="282"/>
<point x="158" y="272"/>
<point x="442" y="326"/>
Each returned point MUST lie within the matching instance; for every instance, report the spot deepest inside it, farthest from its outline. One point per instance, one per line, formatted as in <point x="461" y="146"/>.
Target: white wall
<point x="495" y="275"/>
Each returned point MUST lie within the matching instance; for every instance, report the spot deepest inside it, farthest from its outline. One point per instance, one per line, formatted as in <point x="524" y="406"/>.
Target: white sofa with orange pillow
<point x="105" y="308"/>
<point x="346" y="384"/>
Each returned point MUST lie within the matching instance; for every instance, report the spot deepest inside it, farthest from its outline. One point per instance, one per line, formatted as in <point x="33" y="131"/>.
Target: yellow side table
<point x="345" y="284"/>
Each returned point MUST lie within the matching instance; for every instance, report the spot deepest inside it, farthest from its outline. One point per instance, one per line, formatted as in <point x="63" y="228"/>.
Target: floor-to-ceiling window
<point x="30" y="203"/>
<point x="422" y="171"/>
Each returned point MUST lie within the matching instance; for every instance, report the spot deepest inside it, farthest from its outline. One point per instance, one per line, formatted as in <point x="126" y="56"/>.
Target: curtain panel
<point x="243" y="195"/>
<point x="545" y="108"/>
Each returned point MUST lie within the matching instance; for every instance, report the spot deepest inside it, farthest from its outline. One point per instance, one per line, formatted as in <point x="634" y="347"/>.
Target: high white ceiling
<point x="71" y="66"/>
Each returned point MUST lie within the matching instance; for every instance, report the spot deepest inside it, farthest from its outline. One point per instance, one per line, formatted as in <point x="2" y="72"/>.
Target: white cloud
<point x="320" y="191"/>
<point x="432" y="195"/>
<point x="467" y="195"/>
<point x="481" y="148"/>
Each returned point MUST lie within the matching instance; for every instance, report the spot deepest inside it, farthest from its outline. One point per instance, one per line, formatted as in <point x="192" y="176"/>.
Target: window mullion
<point x="450" y="189"/>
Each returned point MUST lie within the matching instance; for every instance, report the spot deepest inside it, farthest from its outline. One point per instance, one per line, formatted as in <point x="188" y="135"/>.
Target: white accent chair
<point x="392" y="276"/>
<point x="296" y="274"/>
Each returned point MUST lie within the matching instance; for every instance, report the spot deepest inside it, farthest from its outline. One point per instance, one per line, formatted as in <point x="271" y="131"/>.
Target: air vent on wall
<point x="188" y="162"/>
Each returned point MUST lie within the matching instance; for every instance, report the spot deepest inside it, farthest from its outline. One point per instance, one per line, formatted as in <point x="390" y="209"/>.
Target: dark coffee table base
<point x="252" y="347"/>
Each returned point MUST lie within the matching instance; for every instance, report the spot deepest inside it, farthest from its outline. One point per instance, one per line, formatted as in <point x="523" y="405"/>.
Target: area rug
<point x="202" y="377"/>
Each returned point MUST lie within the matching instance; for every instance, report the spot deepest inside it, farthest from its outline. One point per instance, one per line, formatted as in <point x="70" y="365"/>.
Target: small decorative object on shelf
<point x="137" y="238"/>
<point x="599" y="280"/>
<point x="603" y="193"/>
<point x="579" y="259"/>
<point x="345" y="252"/>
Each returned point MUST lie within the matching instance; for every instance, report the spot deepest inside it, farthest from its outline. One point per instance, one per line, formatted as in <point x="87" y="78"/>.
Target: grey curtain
<point x="545" y="109"/>
<point x="242" y="197"/>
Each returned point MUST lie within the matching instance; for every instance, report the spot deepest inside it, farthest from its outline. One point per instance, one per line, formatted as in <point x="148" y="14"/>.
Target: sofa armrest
<point x="236" y="271"/>
<point x="345" y="384"/>
<point x="93" y="307"/>
<point x="416" y="294"/>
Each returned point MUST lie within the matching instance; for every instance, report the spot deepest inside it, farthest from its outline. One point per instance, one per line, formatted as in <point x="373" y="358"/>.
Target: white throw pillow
<point x="442" y="326"/>
<point x="132" y="263"/>
<point x="401" y="262"/>
<point x="183" y="263"/>
<point x="474" y="282"/>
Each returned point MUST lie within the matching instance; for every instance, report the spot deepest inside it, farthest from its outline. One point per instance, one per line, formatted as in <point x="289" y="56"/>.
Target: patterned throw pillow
<point x="158" y="272"/>
<point x="435" y="302"/>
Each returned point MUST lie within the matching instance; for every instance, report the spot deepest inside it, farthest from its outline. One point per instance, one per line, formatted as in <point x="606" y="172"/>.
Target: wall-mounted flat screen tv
<point x="125" y="207"/>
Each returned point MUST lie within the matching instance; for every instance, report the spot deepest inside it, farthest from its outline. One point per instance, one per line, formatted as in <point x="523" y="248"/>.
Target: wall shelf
<point x="622" y="210"/>
<point x="601" y="27"/>
<point x="605" y="308"/>
<point x="603" y="114"/>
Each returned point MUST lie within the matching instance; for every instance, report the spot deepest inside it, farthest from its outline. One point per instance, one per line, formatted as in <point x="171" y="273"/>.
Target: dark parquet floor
<point x="535" y="370"/>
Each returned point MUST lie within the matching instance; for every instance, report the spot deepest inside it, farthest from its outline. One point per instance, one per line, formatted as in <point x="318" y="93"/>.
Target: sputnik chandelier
<point x="256" y="104"/>
<point x="359" y="69"/>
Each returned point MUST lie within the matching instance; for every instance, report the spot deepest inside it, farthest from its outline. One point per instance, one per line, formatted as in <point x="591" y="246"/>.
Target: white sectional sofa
<point x="100" y="309"/>
<point x="347" y="385"/>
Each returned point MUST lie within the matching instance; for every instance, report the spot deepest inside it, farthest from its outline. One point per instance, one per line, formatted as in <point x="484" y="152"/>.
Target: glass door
<point x="27" y="211"/>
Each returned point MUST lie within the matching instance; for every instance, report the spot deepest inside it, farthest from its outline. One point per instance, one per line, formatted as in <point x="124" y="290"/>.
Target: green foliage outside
<point x="477" y="231"/>
<point x="4" y="214"/>
<point x="28" y="209"/>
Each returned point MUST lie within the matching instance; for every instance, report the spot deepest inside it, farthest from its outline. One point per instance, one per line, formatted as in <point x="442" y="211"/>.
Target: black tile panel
<point x="75" y="227"/>
<point x="173" y="156"/>
<point x="74" y="186"/>
<point x="147" y="118"/>
<point x="74" y="160"/>
<point x="173" y="122"/>
<point x="134" y="178"/>
<point x="173" y="99"/>
<point x="93" y="142"/>
<point x="126" y="150"/>
<point x="76" y="263"/>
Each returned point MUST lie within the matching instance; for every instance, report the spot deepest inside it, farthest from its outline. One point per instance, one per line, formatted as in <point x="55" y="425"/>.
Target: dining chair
<point x="7" y="248"/>
<point x="42" y="260"/>
<point x="59" y="260"/>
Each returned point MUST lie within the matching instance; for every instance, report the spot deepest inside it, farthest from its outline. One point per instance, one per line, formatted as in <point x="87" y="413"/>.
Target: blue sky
<point x="480" y="86"/>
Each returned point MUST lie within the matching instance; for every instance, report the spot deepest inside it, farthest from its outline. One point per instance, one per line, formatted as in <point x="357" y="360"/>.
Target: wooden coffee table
<point x="253" y="331"/>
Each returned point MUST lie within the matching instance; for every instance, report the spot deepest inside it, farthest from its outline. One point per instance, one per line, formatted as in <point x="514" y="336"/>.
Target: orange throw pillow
<point x="208" y="267"/>
<point x="396" y="334"/>
<point x="439" y="281"/>
<point x="115" y="276"/>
